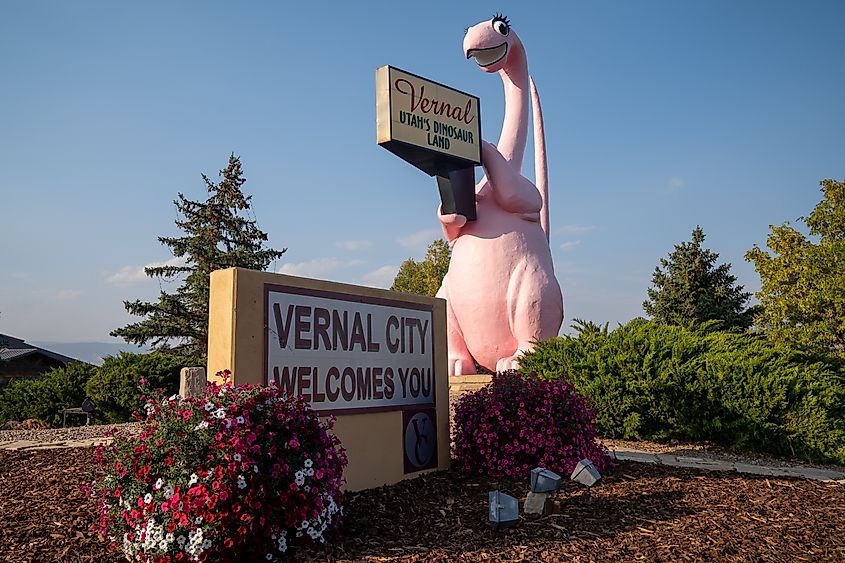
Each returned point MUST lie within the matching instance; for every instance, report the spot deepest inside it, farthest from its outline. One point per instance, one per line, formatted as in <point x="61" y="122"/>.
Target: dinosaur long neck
<point x="515" y="126"/>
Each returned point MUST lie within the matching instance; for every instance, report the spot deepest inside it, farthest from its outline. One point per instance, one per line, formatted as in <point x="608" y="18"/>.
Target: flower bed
<point x="239" y="474"/>
<point x="519" y="422"/>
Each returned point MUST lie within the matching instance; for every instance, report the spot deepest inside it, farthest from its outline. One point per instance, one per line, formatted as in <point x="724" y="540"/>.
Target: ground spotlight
<point x="586" y="473"/>
<point x="504" y="510"/>
<point x="544" y="481"/>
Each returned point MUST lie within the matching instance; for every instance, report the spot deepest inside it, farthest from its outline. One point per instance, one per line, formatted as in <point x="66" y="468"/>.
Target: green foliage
<point x="652" y="381"/>
<point x="803" y="286"/>
<point x="115" y="387"/>
<point x="47" y="397"/>
<point x="689" y="287"/>
<point x="425" y="277"/>
<point x="217" y="236"/>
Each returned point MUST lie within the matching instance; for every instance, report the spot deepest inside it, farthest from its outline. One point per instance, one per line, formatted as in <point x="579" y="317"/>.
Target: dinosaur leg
<point x="535" y="309"/>
<point x="460" y="360"/>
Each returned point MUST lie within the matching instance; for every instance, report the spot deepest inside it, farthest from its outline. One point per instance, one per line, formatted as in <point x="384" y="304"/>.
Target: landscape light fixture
<point x="586" y="473"/>
<point x="544" y="481"/>
<point x="504" y="510"/>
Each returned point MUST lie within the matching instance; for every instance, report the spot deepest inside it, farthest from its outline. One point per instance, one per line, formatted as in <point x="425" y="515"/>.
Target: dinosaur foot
<point x="509" y="363"/>
<point x="461" y="366"/>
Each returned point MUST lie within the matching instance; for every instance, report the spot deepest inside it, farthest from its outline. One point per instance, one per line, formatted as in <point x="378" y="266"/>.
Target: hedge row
<point x="113" y="387"/>
<point x="654" y="382"/>
<point x="45" y="398"/>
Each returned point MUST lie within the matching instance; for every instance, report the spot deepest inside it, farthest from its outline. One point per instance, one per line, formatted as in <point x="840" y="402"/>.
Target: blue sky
<point x="660" y="116"/>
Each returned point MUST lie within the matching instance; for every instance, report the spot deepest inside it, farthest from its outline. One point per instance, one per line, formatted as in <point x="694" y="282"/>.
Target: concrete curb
<point x="621" y="454"/>
<point x="799" y="471"/>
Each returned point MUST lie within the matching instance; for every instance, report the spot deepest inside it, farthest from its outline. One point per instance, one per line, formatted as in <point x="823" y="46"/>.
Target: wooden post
<point x="192" y="382"/>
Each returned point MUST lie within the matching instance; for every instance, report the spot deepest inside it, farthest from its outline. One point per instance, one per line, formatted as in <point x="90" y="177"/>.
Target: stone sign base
<point x="460" y="384"/>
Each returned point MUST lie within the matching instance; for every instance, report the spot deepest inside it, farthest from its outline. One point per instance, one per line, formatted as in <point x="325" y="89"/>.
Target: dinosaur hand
<point x="453" y="220"/>
<point x="451" y="223"/>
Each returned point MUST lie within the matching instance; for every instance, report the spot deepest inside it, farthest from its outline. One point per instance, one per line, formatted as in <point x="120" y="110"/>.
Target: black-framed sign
<point x="430" y="125"/>
<point x="348" y="353"/>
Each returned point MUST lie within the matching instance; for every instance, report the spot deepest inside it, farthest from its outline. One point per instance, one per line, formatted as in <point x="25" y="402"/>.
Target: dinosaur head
<point x="491" y="43"/>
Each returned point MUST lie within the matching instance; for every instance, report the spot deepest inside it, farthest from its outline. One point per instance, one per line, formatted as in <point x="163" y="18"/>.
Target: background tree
<point x="425" y="277"/>
<point x="217" y="235"/>
<point x="803" y="283"/>
<point x="689" y="287"/>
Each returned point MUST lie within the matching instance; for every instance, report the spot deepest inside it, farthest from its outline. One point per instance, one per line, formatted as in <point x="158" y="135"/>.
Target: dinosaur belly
<point x="501" y="277"/>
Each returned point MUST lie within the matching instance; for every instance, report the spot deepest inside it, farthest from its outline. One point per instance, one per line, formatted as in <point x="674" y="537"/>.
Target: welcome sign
<point x="434" y="127"/>
<point x="347" y="353"/>
<point x="376" y="360"/>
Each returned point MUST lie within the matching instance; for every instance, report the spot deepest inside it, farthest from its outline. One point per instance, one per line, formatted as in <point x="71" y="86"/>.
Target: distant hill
<point x="91" y="352"/>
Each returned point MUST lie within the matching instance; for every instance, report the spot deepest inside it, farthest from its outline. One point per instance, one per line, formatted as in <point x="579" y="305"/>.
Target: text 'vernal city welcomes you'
<point x="349" y="353"/>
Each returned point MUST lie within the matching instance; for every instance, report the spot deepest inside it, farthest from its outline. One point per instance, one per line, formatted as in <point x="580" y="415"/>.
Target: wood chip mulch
<point x="639" y="511"/>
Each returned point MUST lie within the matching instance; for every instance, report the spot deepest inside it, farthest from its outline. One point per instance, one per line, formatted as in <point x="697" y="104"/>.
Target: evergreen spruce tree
<point x="689" y="287"/>
<point x="216" y="235"/>
<point x="425" y="277"/>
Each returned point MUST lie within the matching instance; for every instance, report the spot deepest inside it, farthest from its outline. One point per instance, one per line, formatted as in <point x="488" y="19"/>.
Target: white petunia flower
<point x="158" y="484"/>
<point x="193" y="479"/>
<point x="148" y="498"/>
<point x="237" y="457"/>
<point x="308" y="463"/>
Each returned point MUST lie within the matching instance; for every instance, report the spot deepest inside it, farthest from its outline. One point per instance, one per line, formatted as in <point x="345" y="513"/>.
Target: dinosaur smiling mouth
<point x="487" y="57"/>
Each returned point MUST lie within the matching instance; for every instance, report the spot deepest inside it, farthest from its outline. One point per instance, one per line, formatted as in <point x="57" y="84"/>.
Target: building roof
<point x="13" y="348"/>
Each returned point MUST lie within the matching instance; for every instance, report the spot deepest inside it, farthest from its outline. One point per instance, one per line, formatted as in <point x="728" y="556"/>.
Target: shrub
<point x="519" y="422"/>
<point x="238" y="475"/>
<point x="115" y="389"/>
<point x="47" y="397"/>
<point x="654" y="382"/>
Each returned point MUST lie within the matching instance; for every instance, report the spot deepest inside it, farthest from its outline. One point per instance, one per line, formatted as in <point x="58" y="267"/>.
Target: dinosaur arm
<point x="512" y="191"/>
<point x="451" y="223"/>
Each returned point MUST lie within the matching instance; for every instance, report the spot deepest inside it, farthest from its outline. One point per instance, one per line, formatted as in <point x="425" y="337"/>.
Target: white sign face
<point x="348" y="353"/>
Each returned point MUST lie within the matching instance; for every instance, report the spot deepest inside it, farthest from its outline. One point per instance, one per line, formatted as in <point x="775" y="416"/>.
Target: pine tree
<point x="689" y="287"/>
<point x="216" y="235"/>
<point x="425" y="277"/>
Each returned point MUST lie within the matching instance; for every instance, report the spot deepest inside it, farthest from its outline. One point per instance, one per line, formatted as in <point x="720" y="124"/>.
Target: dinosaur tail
<point x="541" y="168"/>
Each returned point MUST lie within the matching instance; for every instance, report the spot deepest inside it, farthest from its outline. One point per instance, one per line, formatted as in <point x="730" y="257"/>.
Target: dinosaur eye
<point x="501" y="24"/>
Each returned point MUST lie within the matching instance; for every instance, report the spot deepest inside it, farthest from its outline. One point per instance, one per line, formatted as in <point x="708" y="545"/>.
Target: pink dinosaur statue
<point x="501" y="290"/>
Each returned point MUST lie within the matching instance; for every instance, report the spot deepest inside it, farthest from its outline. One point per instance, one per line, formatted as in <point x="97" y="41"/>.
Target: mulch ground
<point x="639" y="511"/>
